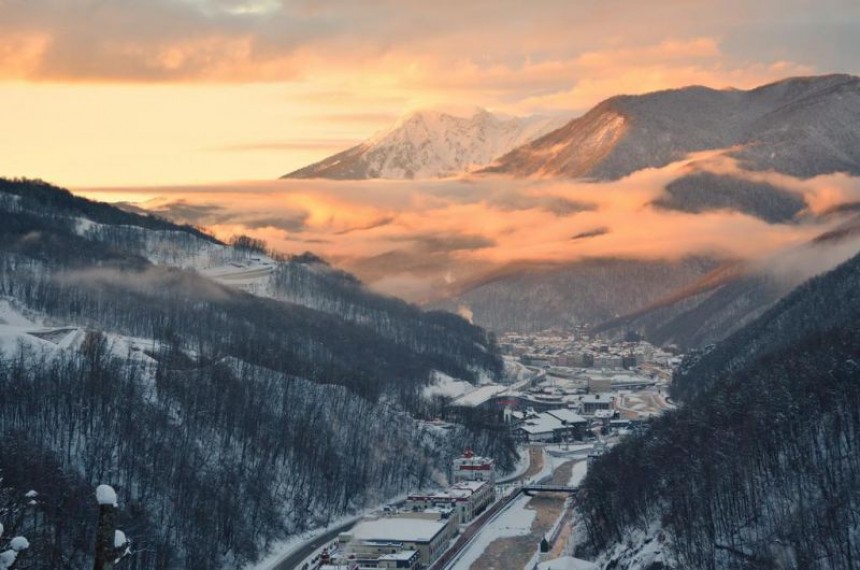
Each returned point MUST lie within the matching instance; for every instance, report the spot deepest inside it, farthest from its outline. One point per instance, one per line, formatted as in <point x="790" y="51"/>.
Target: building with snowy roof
<point x="471" y="467"/>
<point x="466" y="500"/>
<point x="552" y="426"/>
<point x="403" y="559"/>
<point x="590" y="403"/>
<point x="568" y="417"/>
<point x="390" y="535"/>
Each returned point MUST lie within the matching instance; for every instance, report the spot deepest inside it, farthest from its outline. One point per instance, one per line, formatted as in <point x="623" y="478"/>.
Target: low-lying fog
<point x="420" y="239"/>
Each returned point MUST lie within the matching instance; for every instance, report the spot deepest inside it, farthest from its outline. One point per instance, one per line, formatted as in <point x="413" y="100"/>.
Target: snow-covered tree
<point x="112" y="545"/>
<point x="9" y="553"/>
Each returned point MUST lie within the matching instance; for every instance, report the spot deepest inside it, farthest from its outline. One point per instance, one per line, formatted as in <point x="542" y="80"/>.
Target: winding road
<point x="294" y="560"/>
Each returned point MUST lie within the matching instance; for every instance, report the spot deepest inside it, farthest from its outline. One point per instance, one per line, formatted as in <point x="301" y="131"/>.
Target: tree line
<point x="760" y="468"/>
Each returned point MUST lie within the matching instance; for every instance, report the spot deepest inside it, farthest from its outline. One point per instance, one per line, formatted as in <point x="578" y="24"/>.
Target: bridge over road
<point x="547" y="488"/>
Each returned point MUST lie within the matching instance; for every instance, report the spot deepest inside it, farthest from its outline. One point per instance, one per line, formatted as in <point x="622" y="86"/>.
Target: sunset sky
<point x="158" y="92"/>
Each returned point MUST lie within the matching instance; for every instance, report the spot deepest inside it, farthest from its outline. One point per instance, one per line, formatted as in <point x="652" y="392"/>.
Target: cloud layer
<point x="420" y="239"/>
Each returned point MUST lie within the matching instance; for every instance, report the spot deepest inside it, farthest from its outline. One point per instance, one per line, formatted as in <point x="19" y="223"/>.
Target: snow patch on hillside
<point x="443" y="385"/>
<point x="231" y="266"/>
<point x="10" y="316"/>
<point x="639" y="551"/>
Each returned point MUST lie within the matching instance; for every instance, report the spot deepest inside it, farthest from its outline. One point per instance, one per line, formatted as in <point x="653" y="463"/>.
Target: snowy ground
<point x="516" y="371"/>
<point x="479" y="395"/>
<point x="522" y="466"/>
<point x="641" y="404"/>
<point x="639" y="551"/>
<point x="567" y="563"/>
<point x="516" y="520"/>
<point x="578" y="473"/>
<point x="283" y="549"/>
<point x="443" y="385"/>
<point x="569" y="450"/>
<point x="550" y="464"/>
<point x="250" y="274"/>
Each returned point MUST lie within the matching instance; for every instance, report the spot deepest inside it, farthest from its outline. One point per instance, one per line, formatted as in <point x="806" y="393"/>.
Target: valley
<point x="447" y="285"/>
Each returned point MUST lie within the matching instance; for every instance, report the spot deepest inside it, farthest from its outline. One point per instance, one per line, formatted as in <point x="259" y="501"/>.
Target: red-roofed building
<point x="471" y="467"/>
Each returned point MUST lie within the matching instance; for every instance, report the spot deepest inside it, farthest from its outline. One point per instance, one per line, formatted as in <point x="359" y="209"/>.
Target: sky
<point x="130" y="93"/>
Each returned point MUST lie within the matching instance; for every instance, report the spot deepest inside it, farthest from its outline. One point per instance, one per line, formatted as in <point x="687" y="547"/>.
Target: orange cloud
<point x="418" y="238"/>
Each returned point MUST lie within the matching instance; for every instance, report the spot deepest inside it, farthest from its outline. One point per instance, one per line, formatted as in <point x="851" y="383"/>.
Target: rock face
<point x="430" y="144"/>
<point x="799" y="126"/>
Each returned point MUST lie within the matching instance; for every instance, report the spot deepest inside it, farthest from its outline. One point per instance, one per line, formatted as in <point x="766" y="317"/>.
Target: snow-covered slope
<point x="151" y="330"/>
<point x="431" y="144"/>
<point x="801" y="126"/>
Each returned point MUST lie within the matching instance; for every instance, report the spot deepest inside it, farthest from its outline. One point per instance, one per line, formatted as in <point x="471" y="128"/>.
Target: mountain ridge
<point x="429" y="144"/>
<point x="626" y="133"/>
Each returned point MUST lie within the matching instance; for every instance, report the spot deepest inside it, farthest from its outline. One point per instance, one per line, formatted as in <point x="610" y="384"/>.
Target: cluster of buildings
<point x="552" y="426"/>
<point x="582" y="351"/>
<point x="574" y="383"/>
<point x="416" y="534"/>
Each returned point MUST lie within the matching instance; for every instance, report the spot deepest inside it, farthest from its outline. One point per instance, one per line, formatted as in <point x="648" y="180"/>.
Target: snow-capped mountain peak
<point x="432" y="144"/>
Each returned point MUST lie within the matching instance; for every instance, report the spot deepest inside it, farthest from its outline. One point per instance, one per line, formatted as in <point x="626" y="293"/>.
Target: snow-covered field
<point x="578" y="473"/>
<point x="516" y="520"/>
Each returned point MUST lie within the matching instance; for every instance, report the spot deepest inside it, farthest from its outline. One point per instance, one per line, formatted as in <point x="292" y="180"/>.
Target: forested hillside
<point x="224" y="419"/>
<point x="584" y="292"/>
<point x="734" y="295"/>
<point x="802" y="126"/>
<point x="760" y="468"/>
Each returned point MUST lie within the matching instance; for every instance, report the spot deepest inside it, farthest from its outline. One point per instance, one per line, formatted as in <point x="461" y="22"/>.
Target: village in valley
<point x="566" y="399"/>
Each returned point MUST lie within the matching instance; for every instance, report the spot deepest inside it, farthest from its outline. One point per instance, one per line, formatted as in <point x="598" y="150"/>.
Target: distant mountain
<point x="760" y="465"/>
<point x="733" y="295"/>
<point x="535" y="297"/>
<point x="431" y="144"/>
<point x="800" y="126"/>
<point x="720" y="303"/>
<point x="230" y="397"/>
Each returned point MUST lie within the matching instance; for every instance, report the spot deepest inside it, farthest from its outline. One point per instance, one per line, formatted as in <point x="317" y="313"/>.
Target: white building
<point x="592" y="402"/>
<point x="471" y="467"/>
<point x="391" y="535"/>
<point x="466" y="500"/>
